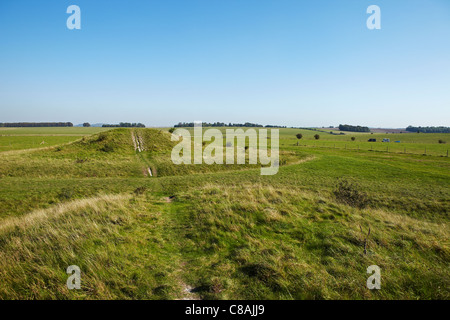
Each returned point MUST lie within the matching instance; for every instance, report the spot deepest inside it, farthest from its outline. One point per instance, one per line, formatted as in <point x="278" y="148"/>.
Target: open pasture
<point x="30" y="138"/>
<point x="228" y="232"/>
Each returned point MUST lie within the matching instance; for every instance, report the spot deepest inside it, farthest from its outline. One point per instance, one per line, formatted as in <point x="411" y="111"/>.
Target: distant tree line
<point x="347" y="127"/>
<point x="124" y="125"/>
<point x="223" y="124"/>
<point x="429" y="129"/>
<point x="37" y="124"/>
<point x="303" y="128"/>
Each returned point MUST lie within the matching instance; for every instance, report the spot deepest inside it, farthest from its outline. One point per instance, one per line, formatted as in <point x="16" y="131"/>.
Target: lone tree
<point x="86" y="124"/>
<point x="299" y="136"/>
<point x="353" y="138"/>
<point x="316" y="136"/>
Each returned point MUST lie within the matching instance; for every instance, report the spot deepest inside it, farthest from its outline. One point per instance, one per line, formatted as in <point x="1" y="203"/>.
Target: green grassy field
<point x="222" y="232"/>
<point x="28" y="138"/>
<point x="415" y="143"/>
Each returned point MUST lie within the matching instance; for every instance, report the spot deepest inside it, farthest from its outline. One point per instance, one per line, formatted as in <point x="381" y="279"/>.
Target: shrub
<point x="65" y="194"/>
<point x="263" y="272"/>
<point x="349" y="193"/>
<point x="107" y="148"/>
<point x="171" y="130"/>
<point x="140" y="190"/>
<point x="299" y="136"/>
<point x="316" y="136"/>
<point x="442" y="141"/>
<point x="101" y="137"/>
<point x="353" y="138"/>
<point x="81" y="160"/>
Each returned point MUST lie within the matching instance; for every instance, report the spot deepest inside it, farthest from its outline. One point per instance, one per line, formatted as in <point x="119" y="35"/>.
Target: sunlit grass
<point x="227" y="231"/>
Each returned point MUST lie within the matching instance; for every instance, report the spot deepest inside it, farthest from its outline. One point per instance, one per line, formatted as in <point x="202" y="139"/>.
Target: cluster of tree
<point x="223" y="124"/>
<point x="303" y="128"/>
<point x="124" y="125"/>
<point x="429" y="129"/>
<point x="347" y="127"/>
<point x="299" y="136"/>
<point x="217" y="124"/>
<point x="37" y="124"/>
<point x="271" y="126"/>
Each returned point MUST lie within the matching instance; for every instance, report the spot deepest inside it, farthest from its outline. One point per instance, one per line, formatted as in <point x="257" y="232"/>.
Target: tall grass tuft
<point x="350" y="193"/>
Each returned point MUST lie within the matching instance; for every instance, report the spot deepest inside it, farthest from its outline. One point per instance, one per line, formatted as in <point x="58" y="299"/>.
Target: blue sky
<point x="287" y="62"/>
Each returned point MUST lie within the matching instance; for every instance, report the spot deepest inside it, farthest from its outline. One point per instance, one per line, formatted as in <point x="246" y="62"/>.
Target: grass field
<point x="86" y="198"/>
<point x="28" y="138"/>
<point x="415" y="143"/>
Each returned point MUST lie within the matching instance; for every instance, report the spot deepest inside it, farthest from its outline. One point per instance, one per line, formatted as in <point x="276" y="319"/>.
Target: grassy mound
<point x="107" y="154"/>
<point x="118" y="241"/>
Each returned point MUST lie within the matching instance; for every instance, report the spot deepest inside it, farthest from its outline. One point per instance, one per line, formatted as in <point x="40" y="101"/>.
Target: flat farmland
<point x="29" y="138"/>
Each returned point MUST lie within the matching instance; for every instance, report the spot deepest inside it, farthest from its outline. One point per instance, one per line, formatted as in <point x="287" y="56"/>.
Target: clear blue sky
<point x="288" y="62"/>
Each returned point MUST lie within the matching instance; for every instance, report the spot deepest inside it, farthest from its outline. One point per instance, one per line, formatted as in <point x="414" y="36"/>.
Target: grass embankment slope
<point x="227" y="233"/>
